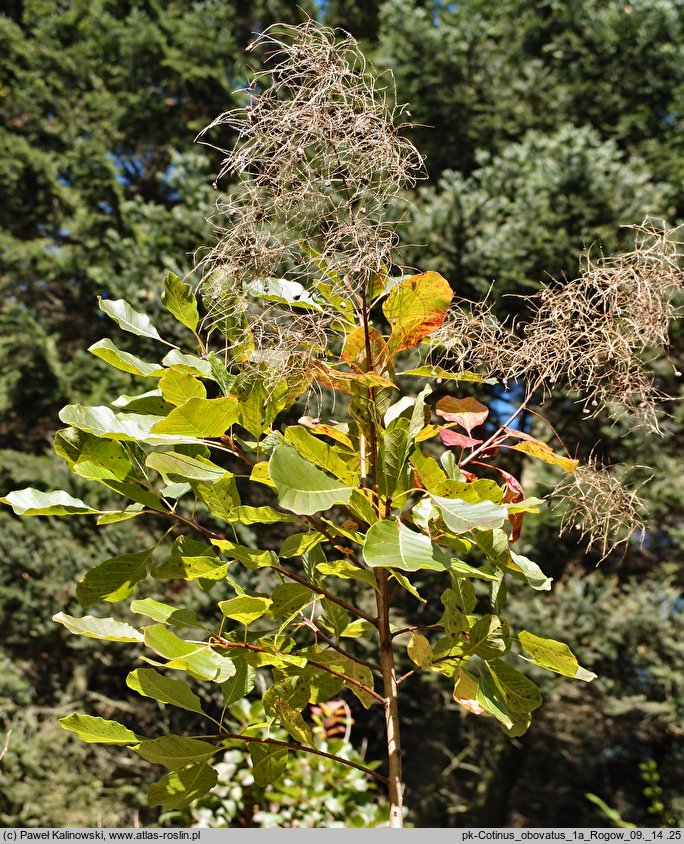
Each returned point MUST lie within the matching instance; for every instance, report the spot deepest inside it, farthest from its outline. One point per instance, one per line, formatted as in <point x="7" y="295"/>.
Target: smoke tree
<point x="302" y="302"/>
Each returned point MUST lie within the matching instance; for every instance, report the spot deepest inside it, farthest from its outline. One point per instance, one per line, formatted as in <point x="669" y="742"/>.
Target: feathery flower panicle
<point x="595" y="501"/>
<point x="320" y="161"/>
<point x="596" y="334"/>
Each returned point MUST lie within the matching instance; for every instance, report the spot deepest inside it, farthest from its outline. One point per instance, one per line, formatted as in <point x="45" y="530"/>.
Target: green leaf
<point x="191" y="560"/>
<point x="246" y="515"/>
<point x="390" y="544"/>
<point x="128" y="319"/>
<point x="179" y="789"/>
<point x="136" y="493"/>
<point x="103" y="422"/>
<point x="178" y="387"/>
<point x="199" y="660"/>
<point x="130" y="512"/>
<point x="347" y="571"/>
<point x="126" y="362"/>
<point x="444" y="375"/>
<point x="394" y="452"/>
<point x="199" y="418"/>
<point x="336" y="617"/>
<point x="98" y="730"/>
<point x="190" y="364"/>
<point x="419" y="650"/>
<point x="302" y="488"/>
<point x="517" y="690"/>
<point x="429" y="471"/>
<point x="175" y="752"/>
<point x="531" y="572"/>
<point x="464" y="593"/>
<point x="489" y="638"/>
<point x="33" y="502"/>
<point x="221" y="497"/>
<point x="99" y="628"/>
<point x="91" y="457"/>
<point x="491" y="700"/>
<point x="174" y="466"/>
<point x="494" y="544"/>
<point x="415" y="308"/>
<point x="114" y="579"/>
<point x="288" y="599"/>
<point x="405" y="583"/>
<point x="240" y="684"/>
<point x="452" y="620"/>
<point x="245" y="609"/>
<point x="284" y="291"/>
<point x="284" y="701"/>
<point x="321" y="454"/>
<point x="269" y="762"/>
<point x="150" y="402"/>
<point x="251" y="558"/>
<point x="179" y="300"/>
<point x="554" y="656"/>
<point x="150" y="683"/>
<point x="299" y="543"/>
<point x="166" y="614"/>
<point x="461" y="517"/>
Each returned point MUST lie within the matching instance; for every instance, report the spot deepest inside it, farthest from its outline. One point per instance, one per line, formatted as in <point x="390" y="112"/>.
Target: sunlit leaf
<point x="199" y="660"/>
<point x="461" y="517"/>
<point x="465" y="692"/>
<point x="174" y="466"/>
<point x="444" y="375"/>
<point x="99" y="628"/>
<point x="390" y="544"/>
<point x="467" y="412"/>
<point x="179" y="300"/>
<point x="245" y="609"/>
<point x="419" y="650"/>
<point x="415" y="308"/>
<point x="517" y="690"/>
<point x="150" y="683"/>
<point x="199" y="418"/>
<point x="126" y="362"/>
<point x="178" y="387"/>
<point x="544" y="452"/>
<point x="98" y="730"/>
<point x="128" y="319"/>
<point x="554" y="656"/>
<point x="302" y="487"/>
<point x="33" y="502"/>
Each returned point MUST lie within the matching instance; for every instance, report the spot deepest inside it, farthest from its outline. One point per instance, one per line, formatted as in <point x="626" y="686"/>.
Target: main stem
<point x="389" y="680"/>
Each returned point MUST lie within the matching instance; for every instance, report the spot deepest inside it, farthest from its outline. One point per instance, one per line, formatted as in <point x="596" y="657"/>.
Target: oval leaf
<point x="268" y="762"/>
<point x="468" y="412"/>
<point x="99" y="628"/>
<point x="150" y="683"/>
<point x="128" y="319"/>
<point x="391" y="544"/>
<point x="126" y="362"/>
<point x="113" y="580"/>
<point x="179" y="300"/>
<point x="415" y="308"/>
<point x="179" y="789"/>
<point x="554" y="656"/>
<point x="33" y="502"/>
<point x="302" y="488"/>
<point x="199" y="417"/>
<point x="98" y="730"/>
<point x="175" y="752"/>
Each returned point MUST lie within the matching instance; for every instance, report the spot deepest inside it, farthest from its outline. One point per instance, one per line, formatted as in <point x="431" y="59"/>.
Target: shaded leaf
<point x="240" y="684"/>
<point x="444" y="375"/>
<point x="269" y="762"/>
<point x="179" y="789"/>
<point x="465" y="692"/>
<point x="114" y="579"/>
<point x="199" y="660"/>
<point x="166" y="613"/>
<point x="150" y="683"/>
<point x="175" y="752"/>
<point x="517" y="690"/>
<point x="449" y="437"/>
<point x="174" y="466"/>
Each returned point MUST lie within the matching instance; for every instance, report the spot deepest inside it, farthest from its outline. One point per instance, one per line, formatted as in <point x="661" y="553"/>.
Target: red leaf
<point x="449" y="437"/>
<point x="467" y="412"/>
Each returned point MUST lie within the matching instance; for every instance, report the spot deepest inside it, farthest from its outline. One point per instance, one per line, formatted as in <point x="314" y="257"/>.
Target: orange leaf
<point x="465" y="692"/>
<point x="467" y="412"/>
<point x="354" y="350"/>
<point x="415" y="308"/>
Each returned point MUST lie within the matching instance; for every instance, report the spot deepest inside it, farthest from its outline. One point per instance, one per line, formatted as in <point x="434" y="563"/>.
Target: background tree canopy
<point x="547" y="126"/>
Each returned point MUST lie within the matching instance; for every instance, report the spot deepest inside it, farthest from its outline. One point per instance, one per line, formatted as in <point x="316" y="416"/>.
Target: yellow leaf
<point x="544" y="452"/>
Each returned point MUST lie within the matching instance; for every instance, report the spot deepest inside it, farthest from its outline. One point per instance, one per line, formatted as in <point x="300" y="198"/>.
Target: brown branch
<point x="227" y="643"/>
<point x="320" y="590"/>
<point x="417" y="627"/>
<point x="333" y="644"/>
<point x="305" y="749"/>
